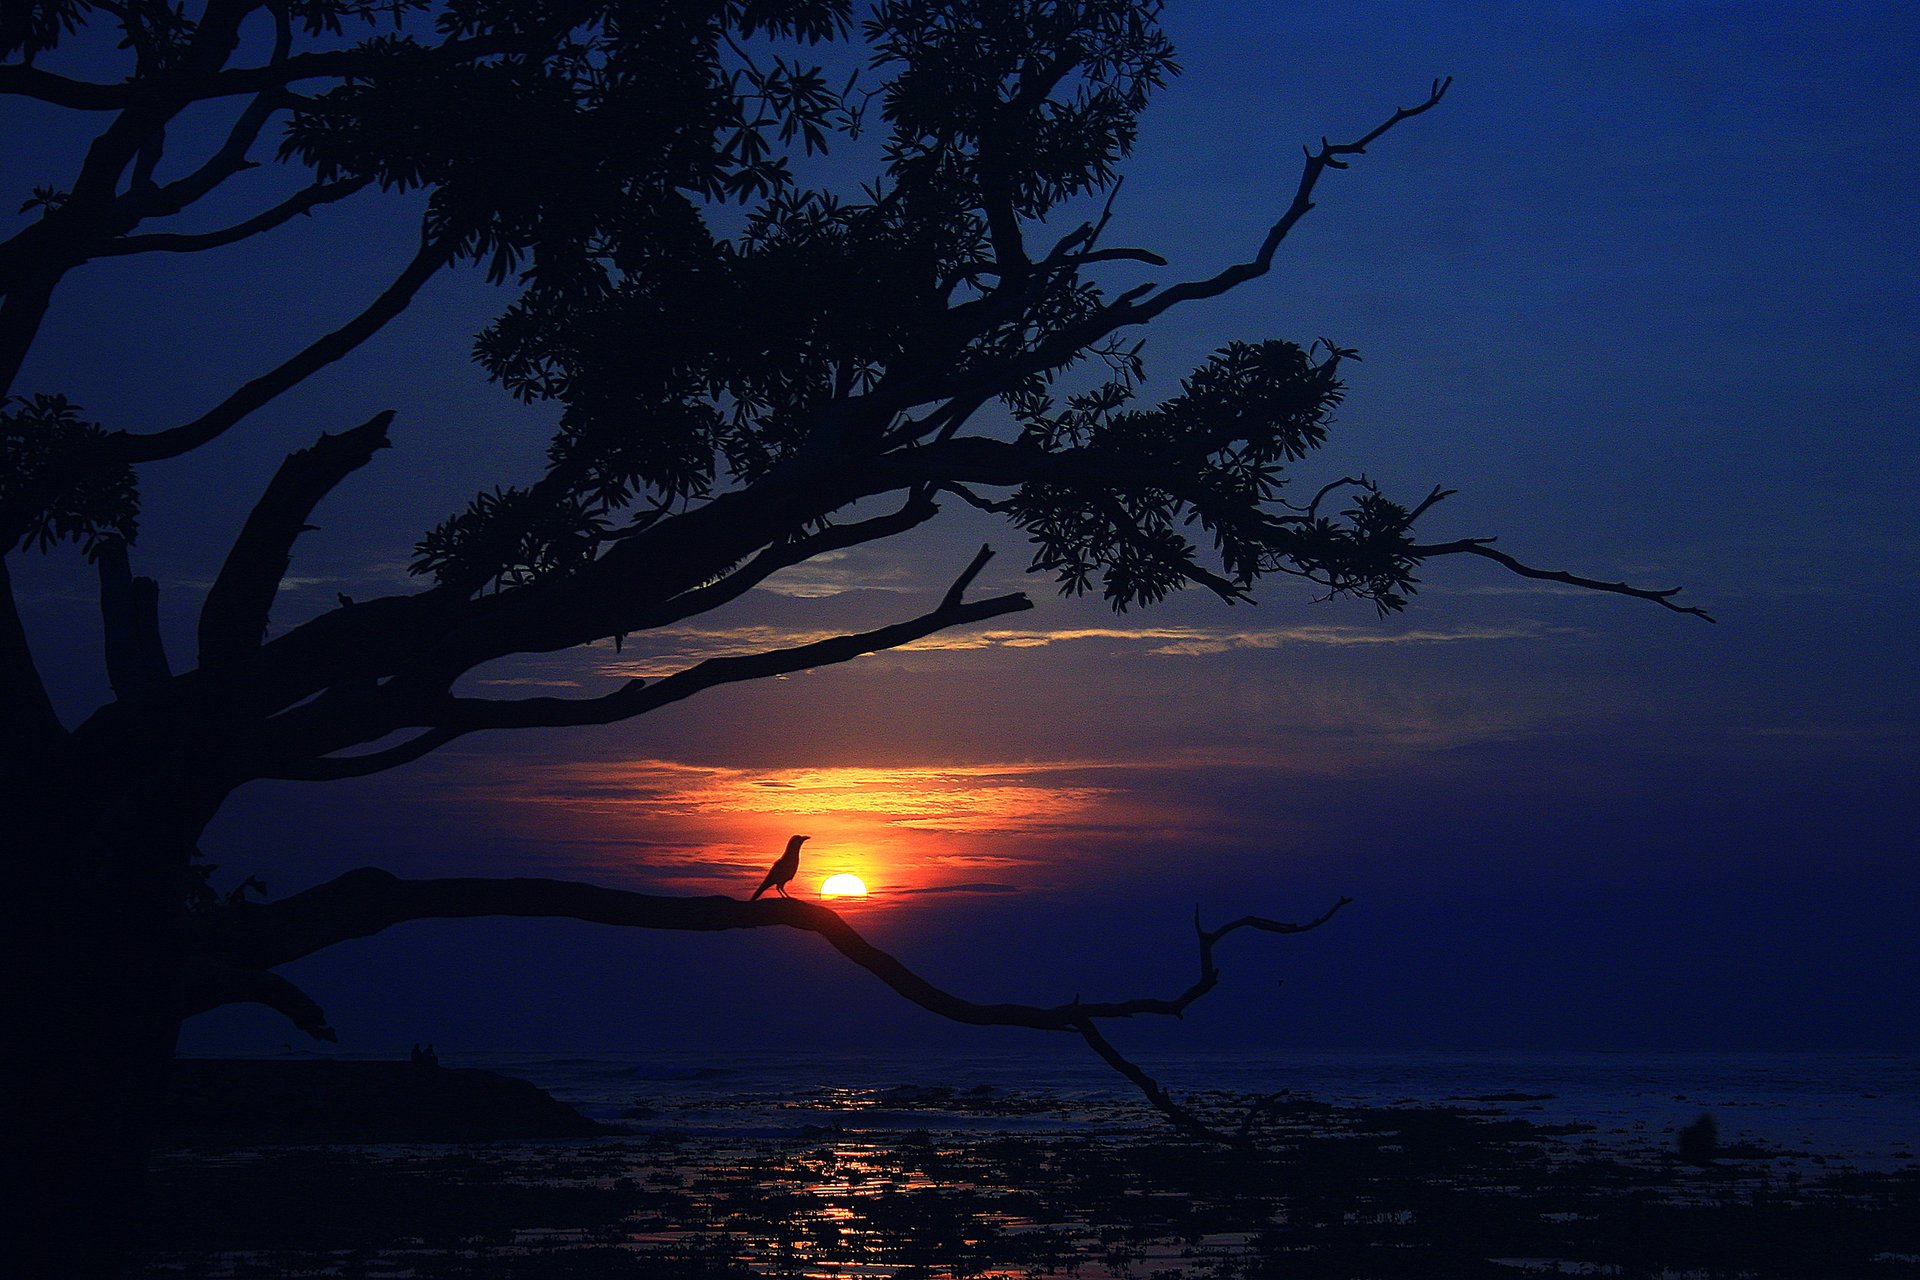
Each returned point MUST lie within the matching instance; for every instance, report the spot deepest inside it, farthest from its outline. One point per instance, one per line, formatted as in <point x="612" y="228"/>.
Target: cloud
<point x="533" y="681"/>
<point x="831" y="574"/>
<point x="978" y="886"/>
<point x="674" y="648"/>
<point x="981" y="828"/>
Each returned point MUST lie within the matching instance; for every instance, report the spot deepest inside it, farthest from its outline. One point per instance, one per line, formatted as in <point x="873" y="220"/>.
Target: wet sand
<point x="1004" y="1185"/>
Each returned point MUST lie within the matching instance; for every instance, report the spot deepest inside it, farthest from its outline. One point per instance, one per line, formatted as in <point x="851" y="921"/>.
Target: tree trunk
<point x="93" y="1019"/>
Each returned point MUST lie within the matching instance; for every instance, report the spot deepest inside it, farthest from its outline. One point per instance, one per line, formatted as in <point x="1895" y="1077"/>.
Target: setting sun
<point x="843" y="886"/>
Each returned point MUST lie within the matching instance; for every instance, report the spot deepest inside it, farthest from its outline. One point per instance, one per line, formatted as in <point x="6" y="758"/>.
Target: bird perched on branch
<point x="784" y="868"/>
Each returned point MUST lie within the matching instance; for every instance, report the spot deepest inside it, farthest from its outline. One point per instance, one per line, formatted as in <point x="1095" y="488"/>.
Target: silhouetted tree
<point x="730" y="388"/>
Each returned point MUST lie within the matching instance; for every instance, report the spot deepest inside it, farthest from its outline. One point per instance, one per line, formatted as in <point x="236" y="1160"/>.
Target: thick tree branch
<point x="1478" y="547"/>
<point x="368" y="714"/>
<point x="61" y="91"/>
<point x="23" y="694"/>
<point x="636" y="698"/>
<point x="362" y="903"/>
<point x="318" y="724"/>
<point x="144" y="199"/>
<point x="917" y="510"/>
<point x="205" y="983"/>
<point x="183" y="87"/>
<point x="130" y="623"/>
<point x="235" y="614"/>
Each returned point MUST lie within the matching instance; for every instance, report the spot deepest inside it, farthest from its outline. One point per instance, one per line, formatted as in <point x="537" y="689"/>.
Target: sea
<point x="956" y="1166"/>
<point x="1861" y="1110"/>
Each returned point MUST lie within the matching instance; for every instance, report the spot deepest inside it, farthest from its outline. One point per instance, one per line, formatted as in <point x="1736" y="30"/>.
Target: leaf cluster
<point x="1031" y="101"/>
<point x="686" y="360"/>
<point x="1131" y="484"/>
<point x="42" y="435"/>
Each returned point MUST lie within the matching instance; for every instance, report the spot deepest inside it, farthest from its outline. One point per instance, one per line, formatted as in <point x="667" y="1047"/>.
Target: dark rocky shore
<point x="225" y="1102"/>
<point x="1330" y="1193"/>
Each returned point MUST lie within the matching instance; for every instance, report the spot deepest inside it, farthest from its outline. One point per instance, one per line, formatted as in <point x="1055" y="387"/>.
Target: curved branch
<point x="303" y="201"/>
<point x="204" y="983"/>
<point x="144" y="199"/>
<point x="917" y="510"/>
<point x="235" y="614"/>
<point x="185" y="87"/>
<point x="1478" y="547"/>
<point x="362" y="903"/>
<point x="361" y="715"/>
<point x="338" y="768"/>
<point x="1331" y="155"/>
<point x="125" y="447"/>
<point x="171" y="443"/>
<point x="1134" y="306"/>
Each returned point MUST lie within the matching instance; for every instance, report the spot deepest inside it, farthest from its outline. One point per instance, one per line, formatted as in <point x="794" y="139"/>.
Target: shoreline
<point x="935" y="1190"/>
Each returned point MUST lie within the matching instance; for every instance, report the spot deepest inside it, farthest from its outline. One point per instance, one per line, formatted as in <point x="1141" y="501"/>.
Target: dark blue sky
<point x="1643" y="288"/>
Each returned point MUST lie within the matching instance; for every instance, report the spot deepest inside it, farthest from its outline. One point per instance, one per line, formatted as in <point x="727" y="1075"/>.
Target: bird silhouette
<point x="784" y="868"/>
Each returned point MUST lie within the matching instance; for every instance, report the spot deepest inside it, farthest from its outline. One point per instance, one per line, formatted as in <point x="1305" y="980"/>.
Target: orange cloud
<point x="670" y="649"/>
<point x="711" y="829"/>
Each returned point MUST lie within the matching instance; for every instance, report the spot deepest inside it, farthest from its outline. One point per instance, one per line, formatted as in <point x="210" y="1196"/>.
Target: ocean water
<point x="1862" y="1110"/>
<point x="1047" y="1164"/>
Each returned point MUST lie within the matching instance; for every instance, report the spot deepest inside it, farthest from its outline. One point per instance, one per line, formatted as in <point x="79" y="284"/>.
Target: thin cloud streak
<point x="932" y="828"/>
<point x="676" y="647"/>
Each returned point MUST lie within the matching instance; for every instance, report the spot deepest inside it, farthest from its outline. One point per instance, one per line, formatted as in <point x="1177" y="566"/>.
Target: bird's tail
<point x="756" y="894"/>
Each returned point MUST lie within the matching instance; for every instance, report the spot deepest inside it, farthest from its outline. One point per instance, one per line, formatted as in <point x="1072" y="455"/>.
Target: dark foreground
<point x="991" y="1188"/>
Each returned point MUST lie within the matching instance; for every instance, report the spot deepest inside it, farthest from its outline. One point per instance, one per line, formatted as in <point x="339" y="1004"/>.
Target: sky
<point x="1642" y="288"/>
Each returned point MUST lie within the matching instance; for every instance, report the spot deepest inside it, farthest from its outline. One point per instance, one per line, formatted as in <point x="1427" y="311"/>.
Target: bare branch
<point x="1151" y="1089"/>
<point x="122" y="447"/>
<point x="1331" y="155"/>
<point x="917" y="510"/>
<point x="144" y="200"/>
<point x="235" y="614"/>
<point x="171" y="443"/>
<point x="1134" y="306"/>
<point x="637" y="698"/>
<point x="362" y="903"/>
<point x="1478" y="547"/>
<point x="350" y="716"/>
<point x="130" y="621"/>
<point x="960" y="584"/>
<point x="973" y="499"/>
<point x="1147" y="256"/>
<point x="336" y="768"/>
<point x="303" y="201"/>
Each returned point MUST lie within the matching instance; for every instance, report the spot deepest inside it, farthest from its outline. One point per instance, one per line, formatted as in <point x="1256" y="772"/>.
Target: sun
<point x="843" y="886"/>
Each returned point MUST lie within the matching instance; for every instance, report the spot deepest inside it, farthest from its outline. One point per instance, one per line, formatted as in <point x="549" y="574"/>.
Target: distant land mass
<point x="226" y="1102"/>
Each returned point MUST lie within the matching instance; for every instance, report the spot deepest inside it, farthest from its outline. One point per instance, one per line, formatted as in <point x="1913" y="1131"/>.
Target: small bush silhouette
<point x="1699" y="1141"/>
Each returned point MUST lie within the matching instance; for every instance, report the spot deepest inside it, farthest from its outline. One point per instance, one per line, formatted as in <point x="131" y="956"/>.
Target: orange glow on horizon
<point x="908" y="831"/>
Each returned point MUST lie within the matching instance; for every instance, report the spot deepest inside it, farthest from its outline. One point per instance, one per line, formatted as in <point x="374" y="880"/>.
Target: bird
<point x="784" y="868"/>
